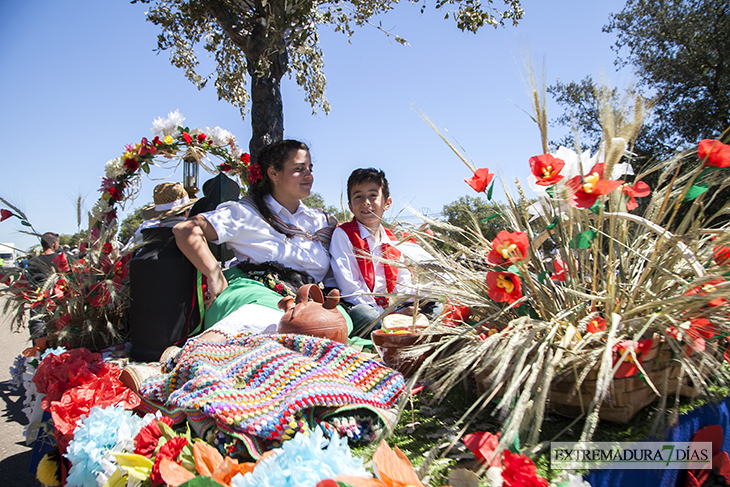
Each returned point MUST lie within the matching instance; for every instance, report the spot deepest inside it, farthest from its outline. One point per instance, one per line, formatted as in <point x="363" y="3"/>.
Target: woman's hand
<point x="216" y="284"/>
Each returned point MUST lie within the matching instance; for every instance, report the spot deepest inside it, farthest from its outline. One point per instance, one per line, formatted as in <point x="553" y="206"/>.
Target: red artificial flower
<point x="404" y="237"/>
<point x="508" y="248"/>
<point x="695" y="332"/>
<point x="61" y="262"/>
<point x="107" y="248"/>
<point x="246" y="158"/>
<point x="60" y="289"/>
<point x="145" y="443"/>
<point x="519" y="471"/>
<point x="63" y="322"/>
<point x="721" y="255"/>
<point x="156" y="141"/>
<point x="120" y="270"/>
<point x="546" y="169"/>
<point x="559" y="274"/>
<point x="99" y="295"/>
<point x="587" y="189"/>
<point x="456" y="314"/>
<point x="114" y="193"/>
<point x="5" y="214"/>
<point x="201" y="138"/>
<point x="504" y="286"/>
<point x="146" y="148"/>
<point x="481" y="179"/>
<point x="628" y="366"/>
<point x="482" y="445"/>
<point x="187" y="137"/>
<point x="429" y="232"/>
<point x="170" y="450"/>
<point x="254" y="173"/>
<point x="596" y="324"/>
<point x="131" y="164"/>
<point x="224" y="167"/>
<point x="714" y="153"/>
<point x="707" y="288"/>
<point x="639" y="190"/>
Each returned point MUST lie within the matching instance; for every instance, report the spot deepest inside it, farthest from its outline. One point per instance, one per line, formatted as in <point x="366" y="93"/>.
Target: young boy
<point x="355" y="243"/>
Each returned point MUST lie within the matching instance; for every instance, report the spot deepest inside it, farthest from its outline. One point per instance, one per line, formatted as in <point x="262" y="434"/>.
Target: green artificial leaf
<point x="596" y="208"/>
<point x="583" y="240"/>
<point x="551" y="191"/>
<point x="146" y="168"/>
<point x="489" y="191"/>
<point x="495" y="215"/>
<point x="552" y="225"/>
<point x="201" y="481"/>
<point x="23" y="222"/>
<point x="514" y="270"/>
<point x="541" y="277"/>
<point x="695" y="191"/>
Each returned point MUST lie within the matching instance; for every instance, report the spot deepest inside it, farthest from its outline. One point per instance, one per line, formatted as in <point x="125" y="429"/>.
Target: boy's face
<point x="368" y="204"/>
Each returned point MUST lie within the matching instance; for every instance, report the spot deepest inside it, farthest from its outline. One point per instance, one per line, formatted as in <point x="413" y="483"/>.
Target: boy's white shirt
<point x="347" y="273"/>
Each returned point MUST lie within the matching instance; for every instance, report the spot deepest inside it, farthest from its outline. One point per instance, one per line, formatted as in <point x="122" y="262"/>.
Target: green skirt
<point x="244" y="290"/>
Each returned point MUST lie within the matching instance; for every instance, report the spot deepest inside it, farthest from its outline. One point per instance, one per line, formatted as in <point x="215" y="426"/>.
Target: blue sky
<point x="80" y="79"/>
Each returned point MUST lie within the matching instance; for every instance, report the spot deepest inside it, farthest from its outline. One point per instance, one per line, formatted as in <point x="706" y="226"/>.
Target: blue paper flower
<point x="104" y="430"/>
<point x="304" y="461"/>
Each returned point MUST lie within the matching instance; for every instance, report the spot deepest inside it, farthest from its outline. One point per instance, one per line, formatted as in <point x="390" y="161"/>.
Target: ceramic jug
<point x="310" y="314"/>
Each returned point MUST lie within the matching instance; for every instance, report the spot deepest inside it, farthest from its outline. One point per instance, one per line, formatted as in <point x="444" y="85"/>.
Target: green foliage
<point x="129" y="225"/>
<point x="470" y="212"/>
<point x="315" y="200"/>
<point x="72" y="240"/>
<point x="267" y="40"/>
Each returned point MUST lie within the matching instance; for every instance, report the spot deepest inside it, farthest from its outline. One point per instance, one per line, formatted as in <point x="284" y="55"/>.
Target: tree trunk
<point x="267" y="110"/>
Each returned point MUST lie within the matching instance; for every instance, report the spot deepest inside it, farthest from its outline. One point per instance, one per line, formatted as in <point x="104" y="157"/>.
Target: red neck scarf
<point x="365" y="262"/>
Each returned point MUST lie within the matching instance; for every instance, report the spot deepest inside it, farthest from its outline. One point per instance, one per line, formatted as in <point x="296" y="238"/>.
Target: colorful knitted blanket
<point x="264" y="388"/>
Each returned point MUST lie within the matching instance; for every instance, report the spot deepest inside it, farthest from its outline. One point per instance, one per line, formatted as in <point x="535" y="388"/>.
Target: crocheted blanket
<point x="268" y="387"/>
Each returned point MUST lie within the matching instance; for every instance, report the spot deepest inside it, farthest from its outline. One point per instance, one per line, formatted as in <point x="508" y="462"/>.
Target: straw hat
<point x="171" y="199"/>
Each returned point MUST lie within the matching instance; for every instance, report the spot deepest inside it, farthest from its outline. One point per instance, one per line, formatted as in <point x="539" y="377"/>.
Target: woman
<point x="274" y="236"/>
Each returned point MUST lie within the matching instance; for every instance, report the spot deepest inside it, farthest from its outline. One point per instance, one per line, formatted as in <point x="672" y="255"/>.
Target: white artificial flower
<point x="114" y="168"/>
<point x="219" y="136"/>
<point x="100" y="209"/>
<point x="575" y="164"/>
<point x="163" y="127"/>
<point x="494" y="477"/>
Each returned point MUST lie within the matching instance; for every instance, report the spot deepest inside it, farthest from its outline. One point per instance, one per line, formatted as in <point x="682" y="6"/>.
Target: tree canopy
<point x="468" y="212"/>
<point x="680" y="52"/>
<point x="267" y="39"/>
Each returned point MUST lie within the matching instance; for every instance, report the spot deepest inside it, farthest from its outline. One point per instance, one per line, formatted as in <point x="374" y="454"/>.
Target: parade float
<point x="588" y="304"/>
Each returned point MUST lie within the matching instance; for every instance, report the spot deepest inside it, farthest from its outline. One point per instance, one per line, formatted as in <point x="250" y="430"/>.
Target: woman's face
<point x="294" y="181"/>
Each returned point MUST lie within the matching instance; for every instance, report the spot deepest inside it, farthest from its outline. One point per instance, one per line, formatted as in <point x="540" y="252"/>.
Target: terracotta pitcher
<point x="311" y="315"/>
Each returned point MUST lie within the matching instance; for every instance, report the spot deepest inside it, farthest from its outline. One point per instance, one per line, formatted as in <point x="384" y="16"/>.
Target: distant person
<point x="358" y="245"/>
<point x="40" y="268"/>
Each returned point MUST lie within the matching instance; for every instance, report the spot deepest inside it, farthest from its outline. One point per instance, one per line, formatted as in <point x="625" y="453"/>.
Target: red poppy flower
<point x="403" y="236"/>
<point x="504" y="286"/>
<point x="201" y="138"/>
<point x="721" y="255"/>
<point x="695" y="332"/>
<point x="170" y="450"/>
<point x="148" y="437"/>
<point x="714" y="153"/>
<point x="120" y="270"/>
<point x="596" y="324"/>
<point x="107" y="248"/>
<point x="482" y="445"/>
<point x="63" y="322"/>
<point x="146" y="148"/>
<point x="99" y="295"/>
<point x="546" y="169"/>
<point x="559" y="274"/>
<point x="709" y="287"/>
<point x="586" y="189"/>
<point x="639" y="190"/>
<point x="188" y="139"/>
<point x="61" y="262"/>
<point x="60" y="289"/>
<point x="628" y="366"/>
<point x="246" y="158"/>
<point x="5" y="214"/>
<point x="508" y="248"/>
<point x="456" y="314"/>
<point x="519" y="471"/>
<point x="481" y="179"/>
<point x="254" y="173"/>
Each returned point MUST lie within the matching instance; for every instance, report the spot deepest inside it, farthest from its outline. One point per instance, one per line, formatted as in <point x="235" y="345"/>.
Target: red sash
<point x="365" y="262"/>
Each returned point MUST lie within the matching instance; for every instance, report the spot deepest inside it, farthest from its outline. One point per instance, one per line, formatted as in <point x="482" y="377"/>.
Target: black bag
<point x="163" y="286"/>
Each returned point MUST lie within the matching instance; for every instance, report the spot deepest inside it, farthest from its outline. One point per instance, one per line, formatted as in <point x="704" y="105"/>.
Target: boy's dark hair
<point x="366" y="175"/>
<point x="48" y="239"/>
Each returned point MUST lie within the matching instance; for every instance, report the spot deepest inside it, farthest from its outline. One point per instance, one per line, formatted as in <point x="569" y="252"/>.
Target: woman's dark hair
<point x="273" y="155"/>
<point x="369" y="175"/>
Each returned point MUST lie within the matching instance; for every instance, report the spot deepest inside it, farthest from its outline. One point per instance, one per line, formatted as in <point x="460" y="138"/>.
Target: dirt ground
<point x="15" y="455"/>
